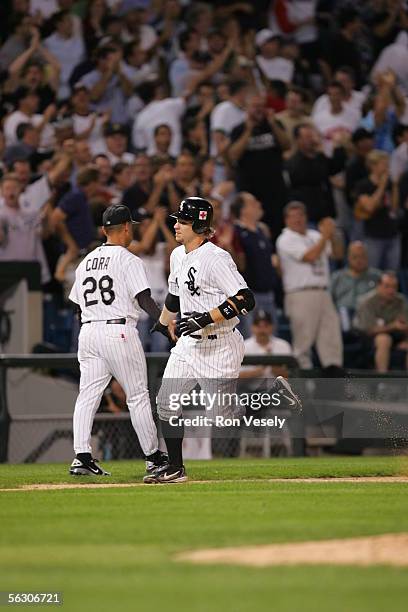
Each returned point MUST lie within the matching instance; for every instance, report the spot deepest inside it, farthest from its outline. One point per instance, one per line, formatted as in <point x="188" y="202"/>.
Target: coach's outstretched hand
<point x="166" y="330"/>
<point x="193" y="322"/>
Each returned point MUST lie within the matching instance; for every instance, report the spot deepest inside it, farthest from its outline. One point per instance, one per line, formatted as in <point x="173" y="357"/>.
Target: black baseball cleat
<point x="155" y="461"/>
<point x="80" y="467"/>
<point x="166" y="475"/>
<point x="284" y="389"/>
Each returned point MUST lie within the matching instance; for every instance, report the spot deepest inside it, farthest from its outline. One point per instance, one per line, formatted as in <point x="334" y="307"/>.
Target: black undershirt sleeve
<point x="147" y="303"/>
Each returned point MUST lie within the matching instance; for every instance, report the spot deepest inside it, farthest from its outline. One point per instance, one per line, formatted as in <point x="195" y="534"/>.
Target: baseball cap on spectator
<point x="262" y="316"/>
<point x="116" y="215"/>
<point x="361" y="134"/>
<point x="115" y="128"/>
<point x="264" y="36"/>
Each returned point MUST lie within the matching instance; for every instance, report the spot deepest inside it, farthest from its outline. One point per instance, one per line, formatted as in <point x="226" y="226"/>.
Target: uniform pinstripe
<point x="106" y="283"/>
<point x="203" y="279"/>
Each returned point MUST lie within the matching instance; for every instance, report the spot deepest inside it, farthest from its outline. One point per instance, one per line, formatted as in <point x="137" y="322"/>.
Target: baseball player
<point x="110" y="287"/>
<point x="206" y="287"/>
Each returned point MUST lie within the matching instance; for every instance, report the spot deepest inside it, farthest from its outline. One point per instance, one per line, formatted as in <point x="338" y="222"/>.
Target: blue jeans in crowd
<point x="263" y="301"/>
<point x="383" y="253"/>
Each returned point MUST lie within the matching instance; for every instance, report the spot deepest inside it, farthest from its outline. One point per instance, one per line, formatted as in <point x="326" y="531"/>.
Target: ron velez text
<point x="221" y="421"/>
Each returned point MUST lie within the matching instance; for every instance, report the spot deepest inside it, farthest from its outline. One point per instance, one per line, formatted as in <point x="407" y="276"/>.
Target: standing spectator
<point x="294" y="115"/>
<point x="137" y="67"/>
<point x="356" y="168"/>
<point x="67" y="47"/>
<point x="352" y="99"/>
<point x="108" y="84"/>
<point x="87" y="123"/>
<point x="224" y="118"/>
<point x="137" y="196"/>
<point x="225" y="236"/>
<point x="354" y="281"/>
<point x="377" y="204"/>
<point x="183" y="68"/>
<point x="394" y="58"/>
<point x="116" y="144"/>
<point x="309" y="173"/>
<point x="255" y="239"/>
<point x="304" y="259"/>
<point x="26" y="147"/>
<point x="19" y="40"/>
<point x="399" y="157"/>
<point x="336" y="119"/>
<point x="27" y="107"/>
<point x="162" y="140"/>
<point x="123" y="178"/>
<point x="272" y="65"/>
<point x="72" y="218"/>
<point x="343" y="49"/>
<point x="195" y="138"/>
<point x="256" y="149"/>
<point x="383" y="316"/>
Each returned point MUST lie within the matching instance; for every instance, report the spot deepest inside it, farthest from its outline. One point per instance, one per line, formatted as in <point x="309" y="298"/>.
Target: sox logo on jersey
<point x="106" y="283"/>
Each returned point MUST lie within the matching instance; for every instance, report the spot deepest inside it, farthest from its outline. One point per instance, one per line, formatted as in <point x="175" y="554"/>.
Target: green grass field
<point x="113" y="549"/>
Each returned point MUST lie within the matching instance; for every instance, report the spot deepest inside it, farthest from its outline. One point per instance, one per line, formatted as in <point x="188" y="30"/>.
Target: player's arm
<point x="239" y="304"/>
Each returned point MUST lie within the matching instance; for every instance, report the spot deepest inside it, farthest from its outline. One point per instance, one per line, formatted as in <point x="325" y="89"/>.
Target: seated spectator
<point x="67" y="47"/>
<point x="294" y="115"/>
<point x="257" y="151"/>
<point x="304" y="260"/>
<point x="263" y="342"/>
<point x="377" y="204"/>
<point x="116" y="144"/>
<point x="269" y="60"/>
<point x="354" y="281"/>
<point x="383" y="316"/>
<point x="343" y="48"/>
<point x="309" y="173"/>
<point x="108" y="85"/>
<point x="335" y="118"/>
<point x="27" y="107"/>
<point x="255" y="239"/>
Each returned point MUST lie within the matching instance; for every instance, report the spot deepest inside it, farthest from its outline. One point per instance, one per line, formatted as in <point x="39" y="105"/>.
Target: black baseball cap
<point x="115" y="128"/>
<point x="262" y="315"/>
<point x="116" y="215"/>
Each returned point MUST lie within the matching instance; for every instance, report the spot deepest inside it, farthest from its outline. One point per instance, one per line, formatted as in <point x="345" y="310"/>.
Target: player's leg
<point x="176" y="381"/>
<point x="94" y="379"/>
<point x="126" y="360"/>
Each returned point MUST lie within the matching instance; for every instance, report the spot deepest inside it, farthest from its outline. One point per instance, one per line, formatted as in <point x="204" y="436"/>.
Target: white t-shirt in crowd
<point x="167" y="112"/>
<point x="329" y="124"/>
<point x="276" y="69"/>
<point x="224" y="118"/>
<point x="354" y="103"/>
<point x="47" y="139"/>
<point x="297" y="274"/>
<point x="82" y="123"/>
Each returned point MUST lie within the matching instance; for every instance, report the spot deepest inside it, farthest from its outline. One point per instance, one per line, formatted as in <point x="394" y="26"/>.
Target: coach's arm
<point x="165" y="323"/>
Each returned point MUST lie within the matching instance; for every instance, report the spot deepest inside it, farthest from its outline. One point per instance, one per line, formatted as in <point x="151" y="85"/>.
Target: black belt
<point x="210" y="337"/>
<point x="110" y="321"/>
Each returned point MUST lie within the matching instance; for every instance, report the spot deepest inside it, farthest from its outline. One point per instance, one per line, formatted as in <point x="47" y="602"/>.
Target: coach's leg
<point x="329" y="342"/>
<point x="302" y="309"/>
<point x="94" y="379"/>
<point x="128" y="365"/>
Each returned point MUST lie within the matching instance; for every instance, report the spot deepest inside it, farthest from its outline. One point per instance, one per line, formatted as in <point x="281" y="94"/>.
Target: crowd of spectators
<point x="290" y="116"/>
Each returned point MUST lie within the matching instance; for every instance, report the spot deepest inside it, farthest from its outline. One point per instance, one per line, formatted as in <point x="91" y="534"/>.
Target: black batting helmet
<point x="197" y="210"/>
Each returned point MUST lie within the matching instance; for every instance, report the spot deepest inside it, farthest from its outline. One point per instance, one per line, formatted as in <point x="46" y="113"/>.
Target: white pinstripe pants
<point x="213" y="364"/>
<point x="105" y="351"/>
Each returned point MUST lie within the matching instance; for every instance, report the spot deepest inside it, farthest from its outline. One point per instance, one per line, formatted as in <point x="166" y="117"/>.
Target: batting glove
<point x="162" y="329"/>
<point x="193" y="322"/>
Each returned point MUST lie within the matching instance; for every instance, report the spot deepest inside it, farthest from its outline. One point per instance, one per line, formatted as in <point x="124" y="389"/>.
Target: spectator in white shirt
<point x="27" y="106"/>
<point x="87" y="124"/>
<point x="272" y="65"/>
<point x="353" y="99"/>
<point x="157" y="111"/>
<point x="336" y="120"/>
<point x="68" y="47"/>
<point x="116" y="144"/>
<point x="304" y="259"/>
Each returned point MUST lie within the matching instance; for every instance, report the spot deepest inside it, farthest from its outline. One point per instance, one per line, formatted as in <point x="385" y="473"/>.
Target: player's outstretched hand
<point x="192" y="322"/>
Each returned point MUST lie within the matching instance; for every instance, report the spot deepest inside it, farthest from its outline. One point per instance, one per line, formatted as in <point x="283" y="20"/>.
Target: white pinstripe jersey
<point x="203" y="279"/>
<point x="106" y="283"/>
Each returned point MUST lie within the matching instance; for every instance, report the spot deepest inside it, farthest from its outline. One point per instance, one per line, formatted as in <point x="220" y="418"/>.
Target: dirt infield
<point x="83" y="484"/>
<point x="388" y="549"/>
